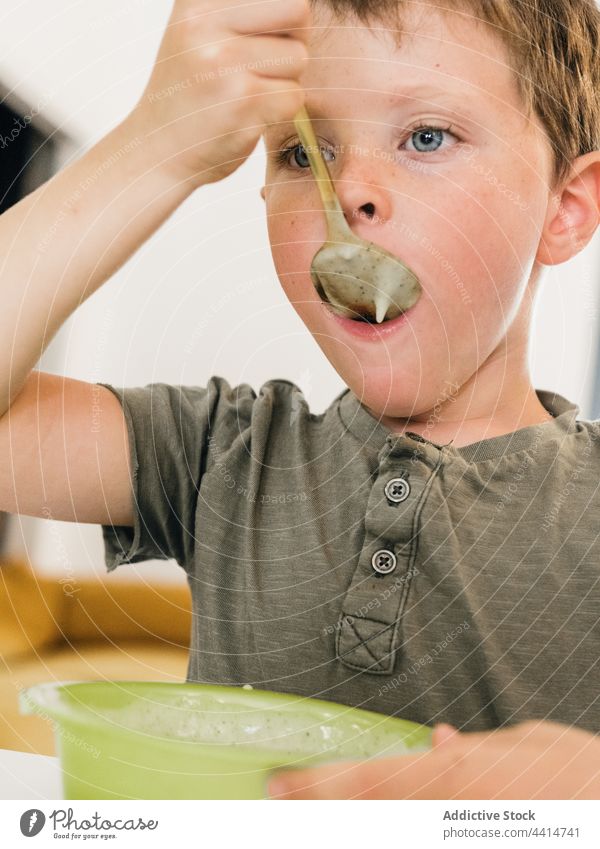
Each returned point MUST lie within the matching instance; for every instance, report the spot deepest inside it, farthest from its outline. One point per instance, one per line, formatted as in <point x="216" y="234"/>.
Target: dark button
<point x="384" y="561"/>
<point x="397" y="490"/>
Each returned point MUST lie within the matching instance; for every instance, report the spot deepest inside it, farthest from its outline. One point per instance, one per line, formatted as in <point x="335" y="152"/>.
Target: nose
<point x="367" y="209"/>
<point x="365" y="201"/>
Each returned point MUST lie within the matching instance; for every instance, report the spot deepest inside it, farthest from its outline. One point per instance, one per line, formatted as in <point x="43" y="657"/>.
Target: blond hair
<point x="554" y="49"/>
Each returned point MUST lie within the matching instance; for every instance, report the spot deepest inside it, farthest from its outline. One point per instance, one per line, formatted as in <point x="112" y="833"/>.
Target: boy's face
<point x="463" y="208"/>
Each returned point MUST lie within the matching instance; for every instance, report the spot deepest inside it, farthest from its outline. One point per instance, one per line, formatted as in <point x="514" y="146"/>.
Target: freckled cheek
<point x="293" y="245"/>
<point x="488" y="247"/>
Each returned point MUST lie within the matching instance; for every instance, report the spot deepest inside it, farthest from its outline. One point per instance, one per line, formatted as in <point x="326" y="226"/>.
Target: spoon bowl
<point x="359" y="279"/>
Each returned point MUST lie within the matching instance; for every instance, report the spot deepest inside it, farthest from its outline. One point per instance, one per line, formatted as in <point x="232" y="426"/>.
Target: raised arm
<point x="191" y="126"/>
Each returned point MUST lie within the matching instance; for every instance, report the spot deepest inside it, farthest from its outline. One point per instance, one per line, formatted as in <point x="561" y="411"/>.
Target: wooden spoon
<point x="358" y="278"/>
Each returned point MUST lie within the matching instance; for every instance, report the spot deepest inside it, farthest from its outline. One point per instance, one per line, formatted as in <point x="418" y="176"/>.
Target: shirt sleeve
<point x="173" y="431"/>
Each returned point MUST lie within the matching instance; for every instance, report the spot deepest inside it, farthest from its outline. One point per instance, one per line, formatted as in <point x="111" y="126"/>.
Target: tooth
<point x="382" y="303"/>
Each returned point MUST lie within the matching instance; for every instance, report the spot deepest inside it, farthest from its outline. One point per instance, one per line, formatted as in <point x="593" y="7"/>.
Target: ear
<point x="573" y="213"/>
<point x="262" y="193"/>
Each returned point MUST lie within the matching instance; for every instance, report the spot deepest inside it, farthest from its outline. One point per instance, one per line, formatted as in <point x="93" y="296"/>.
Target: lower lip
<point x="364" y="329"/>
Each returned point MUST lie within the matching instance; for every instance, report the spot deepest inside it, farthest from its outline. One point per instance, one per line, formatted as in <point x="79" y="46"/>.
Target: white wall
<point x="564" y="344"/>
<point x="84" y="64"/>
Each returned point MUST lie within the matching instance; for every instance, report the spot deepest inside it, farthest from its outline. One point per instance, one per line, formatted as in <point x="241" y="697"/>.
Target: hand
<point x="533" y="760"/>
<point x="219" y="78"/>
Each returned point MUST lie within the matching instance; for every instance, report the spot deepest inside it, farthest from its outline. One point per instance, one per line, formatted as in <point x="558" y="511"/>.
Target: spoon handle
<point x="335" y="216"/>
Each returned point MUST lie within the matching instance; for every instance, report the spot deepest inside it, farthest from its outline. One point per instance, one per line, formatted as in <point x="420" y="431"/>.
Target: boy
<point x="400" y="552"/>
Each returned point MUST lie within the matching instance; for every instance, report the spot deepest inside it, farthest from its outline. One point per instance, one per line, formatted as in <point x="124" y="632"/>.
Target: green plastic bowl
<point x="154" y="740"/>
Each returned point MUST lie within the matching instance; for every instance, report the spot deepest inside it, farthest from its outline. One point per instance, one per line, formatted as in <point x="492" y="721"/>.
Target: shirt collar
<point x="357" y="419"/>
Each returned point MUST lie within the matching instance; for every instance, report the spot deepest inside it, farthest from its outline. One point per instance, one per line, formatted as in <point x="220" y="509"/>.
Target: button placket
<point x="368" y="633"/>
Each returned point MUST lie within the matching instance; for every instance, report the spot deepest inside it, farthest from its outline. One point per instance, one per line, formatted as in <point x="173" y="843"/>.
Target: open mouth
<point x="359" y="317"/>
<point x="368" y="320"/>
<point x="365" y="327"/>
<point x="360" y="311"/>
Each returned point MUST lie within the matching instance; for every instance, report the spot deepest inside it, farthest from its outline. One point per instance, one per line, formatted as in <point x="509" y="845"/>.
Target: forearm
<point x="62" y="242"/>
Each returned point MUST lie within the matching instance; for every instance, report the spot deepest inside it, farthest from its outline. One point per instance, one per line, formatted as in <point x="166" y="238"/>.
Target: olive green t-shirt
<point x="328" y="557"/>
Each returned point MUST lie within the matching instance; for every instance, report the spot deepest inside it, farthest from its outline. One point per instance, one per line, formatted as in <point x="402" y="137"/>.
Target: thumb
<point x="442" y="733"/>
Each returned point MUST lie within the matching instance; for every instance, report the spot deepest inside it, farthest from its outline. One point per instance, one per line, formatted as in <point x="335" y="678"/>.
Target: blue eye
<point x="424" y="137"/>
<point x="299" y="155"/>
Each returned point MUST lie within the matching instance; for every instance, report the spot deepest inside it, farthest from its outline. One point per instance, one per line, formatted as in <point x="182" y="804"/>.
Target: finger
<point x="442" y="733"/>
<point x="283" y="16"/>
<point x="313" y="783"/>
<point x="284" y="58"/>
<point x="422" y="776"/>
<point x="280" y="100"/>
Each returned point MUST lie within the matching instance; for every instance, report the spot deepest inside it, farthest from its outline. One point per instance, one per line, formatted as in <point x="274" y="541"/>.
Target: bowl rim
<point x="48" y="698"/>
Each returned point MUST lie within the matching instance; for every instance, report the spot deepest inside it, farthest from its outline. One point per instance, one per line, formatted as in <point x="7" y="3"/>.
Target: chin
<point x="395" y="392"/>
<point x="384" y="394"/>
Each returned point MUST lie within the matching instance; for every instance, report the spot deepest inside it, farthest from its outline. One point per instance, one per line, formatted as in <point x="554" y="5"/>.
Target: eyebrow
<point x="427" y="92"/>
<point x="404" y="94"/>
